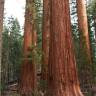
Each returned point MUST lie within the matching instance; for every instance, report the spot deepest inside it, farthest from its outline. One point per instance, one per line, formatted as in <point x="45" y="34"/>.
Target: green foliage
<point x="34" y="54"/>
<point x="43" y="85"/>
<point x="91" y="15"/>
<point x="39" y="17"/>
<point x="92" y="7"/>
<point x="84" y="64"/>
<point x="12" y="50"/>
<point x="83" y="52"/>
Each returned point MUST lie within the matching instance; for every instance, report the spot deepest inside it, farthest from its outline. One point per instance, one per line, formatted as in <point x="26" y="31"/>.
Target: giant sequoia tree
<point x="83" y="24"/>
<point x="28" y="75"/>
<point x="45" y="38"/>
<point x="85" y="53"/>
<point x="62" y="77"/>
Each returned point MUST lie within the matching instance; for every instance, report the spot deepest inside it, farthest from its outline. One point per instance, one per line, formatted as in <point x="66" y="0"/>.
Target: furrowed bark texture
<point x="62" y="77"/>
<point x="28" y="72"/>
<point x="45" y="39"/>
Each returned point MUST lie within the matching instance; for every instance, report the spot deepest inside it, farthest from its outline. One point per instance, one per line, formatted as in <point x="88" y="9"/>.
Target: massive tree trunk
<point x="45" y="39"/>
<point x="28" y="72"/>
<point x="1" y="29"/>
<point x="62" y="77"/>
<point x="85" y="51"/>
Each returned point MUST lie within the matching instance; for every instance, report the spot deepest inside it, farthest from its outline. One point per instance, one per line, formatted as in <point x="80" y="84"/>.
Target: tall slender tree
<point x="45" y="39"/>
<point x="83" y="24"/>
<point x="1" y="29"/>
<point x="62" y="77"/>
<point x="85" y="51"/>
<point x="28" y="75"/>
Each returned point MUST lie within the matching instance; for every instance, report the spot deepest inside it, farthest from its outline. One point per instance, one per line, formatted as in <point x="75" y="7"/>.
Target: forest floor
<point x="11" y="90"/>
<point x="10" y="93"/>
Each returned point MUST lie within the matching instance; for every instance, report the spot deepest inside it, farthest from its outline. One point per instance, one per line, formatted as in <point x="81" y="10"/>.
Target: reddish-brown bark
<point x="28" y="73"/>
<point x="85" y="49"/>
<point x="62" y="77"/>
<point x="83" y="25"/>
<point x="45" y="39"/>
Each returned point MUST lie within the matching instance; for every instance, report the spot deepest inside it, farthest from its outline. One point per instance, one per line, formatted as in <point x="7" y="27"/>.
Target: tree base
<point x="27" y="83"/>
<point x="72" y="90"/>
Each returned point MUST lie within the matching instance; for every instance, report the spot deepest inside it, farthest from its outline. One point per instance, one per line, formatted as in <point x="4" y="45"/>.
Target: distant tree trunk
<point x="28" y="72"/>
<point x="1" y="29"/>
<point x="45" y="39"/>
<point x="85" y="50"/>
<point x="83" y="24"/>
<point x="62" y="77"/>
